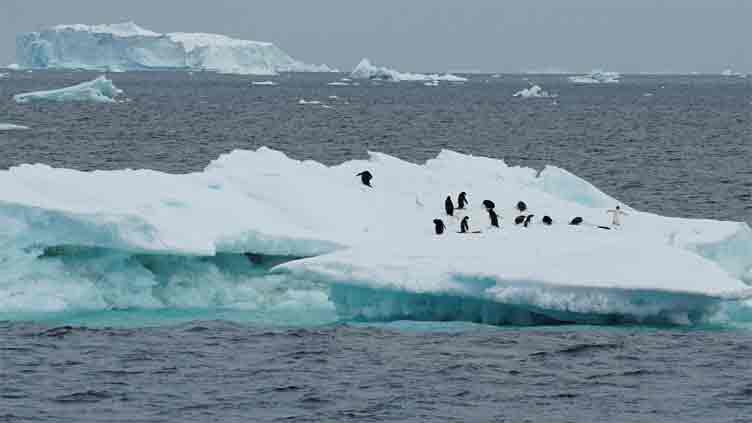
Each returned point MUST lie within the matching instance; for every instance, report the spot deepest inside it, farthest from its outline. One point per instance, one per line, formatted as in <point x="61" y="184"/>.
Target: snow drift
<point x="127" y="46"/>
<point x="256" y="228"/>
<point x="366" y="70"/>
<point x="100" y="90"/>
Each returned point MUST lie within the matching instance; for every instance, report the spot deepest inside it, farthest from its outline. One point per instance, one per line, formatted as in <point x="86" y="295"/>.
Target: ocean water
<point x="281" y="353"/>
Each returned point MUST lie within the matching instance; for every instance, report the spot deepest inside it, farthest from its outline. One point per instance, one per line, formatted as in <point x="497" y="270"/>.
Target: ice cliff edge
<point x="126" y="46"/>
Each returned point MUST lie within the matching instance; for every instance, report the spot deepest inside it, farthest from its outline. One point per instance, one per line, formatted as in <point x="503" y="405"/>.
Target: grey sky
<point x="439" y="35"/>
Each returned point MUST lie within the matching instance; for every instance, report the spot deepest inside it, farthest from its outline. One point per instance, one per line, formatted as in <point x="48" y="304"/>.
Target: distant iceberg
<point x="264" y="83"/>
<point x="100" y="90"/>
<point x="534" y="91"/>
<point x="366" y="70"/>
<point x="12" y="127"/>
<point x="733" y="74"/>
<point x="596" y="77"/>
<point x="126" y="46"/>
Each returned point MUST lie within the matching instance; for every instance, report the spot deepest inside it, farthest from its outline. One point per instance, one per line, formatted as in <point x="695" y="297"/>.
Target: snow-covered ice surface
<point x="366" y="70"/>
<point x="596" y="77"/>
<point x="68" y="233"/>
<point x="100" y="90"/>
<point x="126" y="46"/>
<point x="12" y="127"/>
<point x="534" y="91"/>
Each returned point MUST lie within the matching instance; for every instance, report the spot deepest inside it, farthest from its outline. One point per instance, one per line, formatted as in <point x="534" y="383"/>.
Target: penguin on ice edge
<point x="489" y="205"/>
<point x="494" y="217"/>
<point x="366" y="177"/>
<point x="464" y="226"/>
<point x="439" y="226"/>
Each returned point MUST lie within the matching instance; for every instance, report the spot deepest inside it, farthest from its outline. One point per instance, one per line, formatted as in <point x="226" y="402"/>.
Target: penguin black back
<point x="547" y="220"/>
<point x="449" y="206"/>
<point x="488" y="204"/>
<point x="521" y="206"/>
<point x="519" y="219"/>
<point x="528" y="219"/>
<point x="576" y="221"/>
<point x="494" y="217"/>
<point x="365" y="177"/>
<point x="462" y="200"/>
<point x="439" y="226"/>
<point x="464" y="225"/>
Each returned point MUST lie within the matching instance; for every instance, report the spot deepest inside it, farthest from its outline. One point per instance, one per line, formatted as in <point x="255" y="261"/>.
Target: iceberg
<point x="126" y="46"/>
<point x="253" y="221"/>
<point x="100" y="90"/>
<point x="733" y="74"/>
<point x="366" y="70"/>
<point x="534" y="91"/>
<point x="12" y="127"/>
<point x="596" y="77"/>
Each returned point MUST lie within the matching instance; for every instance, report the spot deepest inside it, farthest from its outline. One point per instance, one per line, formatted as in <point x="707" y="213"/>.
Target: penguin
<point x="489" y="205"/>
<point x="365" y="177"/>
<point x="576" y="221"/>
<point x="528" y="219"/>
<point x="449" y="206"/>
<point x="439" y="226"/>
<point x="464" y="226"/>
<point x="494" y="217"/>
<point x="462" y="201"/>
<point x="547" y="220"/>
<point x="521" y="206"/>
<point x="519" y="219"/>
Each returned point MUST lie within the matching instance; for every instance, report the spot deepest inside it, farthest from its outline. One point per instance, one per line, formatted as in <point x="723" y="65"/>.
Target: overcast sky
<point x="440" y="35"/>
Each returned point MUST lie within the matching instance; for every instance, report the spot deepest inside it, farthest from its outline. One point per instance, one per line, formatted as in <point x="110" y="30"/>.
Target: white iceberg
<point x="114" y="239"/>
<point x="534" y="91"/>
<point x="100" y="90"/>
<point x="264" y="83"/>
<point x="733" y="74"/>
<point x="366" y="70"/>
<point x="127" y="46"/>
<point x="12" y="127"/>
<point x="596" y="77"/>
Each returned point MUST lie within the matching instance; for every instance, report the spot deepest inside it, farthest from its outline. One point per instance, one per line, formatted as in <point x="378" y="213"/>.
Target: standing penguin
<point x="488" y="204"/>
<point x="464" y="225"/>
<point x="494" y="217"/>
<point x="521" y="206"/>
<point x="462" y="201"/>
<point x="439" y="226"/>
<point x="365" y="177"/>
<point x="449" y="206"/>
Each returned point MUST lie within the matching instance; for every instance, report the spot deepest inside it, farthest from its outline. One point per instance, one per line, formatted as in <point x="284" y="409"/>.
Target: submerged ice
<point x="259" y="229"/>
<point x="126" y="46"/>
<point x="100" y="90"/>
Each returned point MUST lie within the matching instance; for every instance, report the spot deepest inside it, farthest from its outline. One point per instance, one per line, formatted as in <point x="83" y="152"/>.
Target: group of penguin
<point x="523" y="219"/>
<point x="439" y="226"/>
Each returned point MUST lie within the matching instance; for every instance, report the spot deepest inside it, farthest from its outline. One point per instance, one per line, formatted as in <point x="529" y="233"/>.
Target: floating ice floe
<point x="100" y="90"/>
<point x="126" y="46"/>
<point x="3" y="75"/>
<point x="534" y="91"/>
<point x="365" y="70"/>
<point x="133" y="238"/>
<point x="264" y="83"/>
<point x="12" y="127"/>
<point x="339" y="84"/>
<point x="303" y="101"/>
<point x="596" y="77"/>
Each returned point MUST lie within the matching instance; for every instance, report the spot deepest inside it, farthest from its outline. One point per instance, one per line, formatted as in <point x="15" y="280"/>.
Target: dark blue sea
<point x="669" y="144"/>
